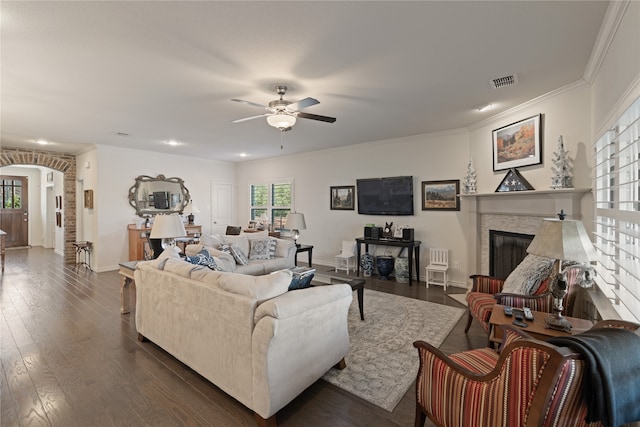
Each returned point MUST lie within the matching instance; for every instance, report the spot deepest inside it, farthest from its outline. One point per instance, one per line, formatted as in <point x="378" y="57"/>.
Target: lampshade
<point x="281" y="120"/>
<point x="563" y="240"/>
<point x="295" y="221"/>
<point x="167" y="227"/>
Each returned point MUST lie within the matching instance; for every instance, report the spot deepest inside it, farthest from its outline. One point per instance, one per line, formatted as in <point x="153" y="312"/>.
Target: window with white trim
<point x="273" y="199"/>
<point x="617" y="199"/>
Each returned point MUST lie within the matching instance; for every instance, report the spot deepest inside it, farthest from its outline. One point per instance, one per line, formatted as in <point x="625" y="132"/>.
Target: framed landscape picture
<point x="441" y="195"/>
<point x="343" y="197"/>
<point x="518" y="144"/>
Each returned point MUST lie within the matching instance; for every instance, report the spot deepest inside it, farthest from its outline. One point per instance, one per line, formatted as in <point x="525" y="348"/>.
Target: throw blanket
<point x="611" y="387"/>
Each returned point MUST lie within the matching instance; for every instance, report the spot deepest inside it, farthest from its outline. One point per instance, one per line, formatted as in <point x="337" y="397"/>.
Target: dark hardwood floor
<point x="69" y="358"/>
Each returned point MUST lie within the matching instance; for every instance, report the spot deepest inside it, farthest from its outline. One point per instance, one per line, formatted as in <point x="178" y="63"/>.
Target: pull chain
<point x="281" y="137"/>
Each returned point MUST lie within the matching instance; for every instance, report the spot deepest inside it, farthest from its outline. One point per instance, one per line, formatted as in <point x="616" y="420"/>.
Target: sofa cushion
<point x="528" y="275"/>
<point x="260" y="288"/>
<point x="260" y="249"/>
<point x="204" y="258"/>
<point x="211" y="240"/>
<point x="224" y="261"/>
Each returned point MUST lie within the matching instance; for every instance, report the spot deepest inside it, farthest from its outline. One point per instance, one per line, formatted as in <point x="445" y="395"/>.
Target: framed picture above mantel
<point x="518" y="144"/>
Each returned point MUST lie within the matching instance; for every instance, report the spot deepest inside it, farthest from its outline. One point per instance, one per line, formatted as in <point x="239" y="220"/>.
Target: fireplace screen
<point x="506" y="251"/>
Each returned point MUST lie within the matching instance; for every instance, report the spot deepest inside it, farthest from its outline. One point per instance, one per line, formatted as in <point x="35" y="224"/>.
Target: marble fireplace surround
<point x="516" y="212"/>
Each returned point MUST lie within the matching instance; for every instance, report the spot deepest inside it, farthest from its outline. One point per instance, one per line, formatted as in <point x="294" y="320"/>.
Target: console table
<point x="138" y="236"/>
<point x="411" y="244"/>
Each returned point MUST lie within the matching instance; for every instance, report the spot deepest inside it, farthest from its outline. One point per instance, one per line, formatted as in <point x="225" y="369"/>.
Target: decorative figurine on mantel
<point x="470" y="180"/>
<point x="562" y="170"/>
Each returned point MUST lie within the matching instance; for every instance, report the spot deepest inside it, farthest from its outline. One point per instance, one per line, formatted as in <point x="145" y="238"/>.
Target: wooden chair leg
<point x="341" y="364"/>
<point x="420" y="417"/>
<point x="469" y="320"/>
<point x="141" y="337"/>
<point x="269" y="422"/>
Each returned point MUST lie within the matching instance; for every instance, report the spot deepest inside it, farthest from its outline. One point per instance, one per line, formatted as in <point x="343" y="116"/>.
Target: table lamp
<point x="563" y="240"/>
<point x="295" y="223"/>
<point x="190" y="209"/>
<point x="167" y="228"/>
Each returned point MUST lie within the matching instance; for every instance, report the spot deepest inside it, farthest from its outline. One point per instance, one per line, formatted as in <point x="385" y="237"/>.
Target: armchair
<point x="529" y="383"/>
<point x="486" y="292"/>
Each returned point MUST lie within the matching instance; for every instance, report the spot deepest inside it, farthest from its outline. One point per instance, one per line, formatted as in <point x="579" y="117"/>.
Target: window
<point x="11" y="194"/>
<point x="617" y="199"/>
<point x="273" y="200"/>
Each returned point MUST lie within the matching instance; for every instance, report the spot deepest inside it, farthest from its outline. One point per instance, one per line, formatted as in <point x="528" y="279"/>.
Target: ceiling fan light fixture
<point x="281" y="121"/>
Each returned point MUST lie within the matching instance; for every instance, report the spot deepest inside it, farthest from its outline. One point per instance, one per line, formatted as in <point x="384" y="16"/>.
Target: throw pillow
<point x="241" y="241"/>
<point x="260" y="249"/>
<point x="528" y="275"/>
<point x="203" y="258"/>
<point x="239" y="255"/>
<point x="211" y="240"/>
<point x="272" y="248"/>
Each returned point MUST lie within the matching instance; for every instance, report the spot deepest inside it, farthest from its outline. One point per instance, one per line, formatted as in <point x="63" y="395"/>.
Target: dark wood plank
<point x="68" y="357"/>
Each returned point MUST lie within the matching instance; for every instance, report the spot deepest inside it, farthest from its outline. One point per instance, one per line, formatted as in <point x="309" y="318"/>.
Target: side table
<point x="304" y="248"/>
<point x="536" y="327"/>
<point x="126" y="273"/>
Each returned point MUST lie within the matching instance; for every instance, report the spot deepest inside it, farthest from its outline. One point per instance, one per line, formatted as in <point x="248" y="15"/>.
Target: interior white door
<point x="221" y="206"/>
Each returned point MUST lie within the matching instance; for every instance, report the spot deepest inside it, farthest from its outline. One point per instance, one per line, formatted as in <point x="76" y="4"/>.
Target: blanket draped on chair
<point x="611" y="387"/>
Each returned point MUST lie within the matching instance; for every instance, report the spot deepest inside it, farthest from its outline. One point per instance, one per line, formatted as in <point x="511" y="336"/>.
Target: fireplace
<point x="515" y="212"/>
<point x="506" y="251"/>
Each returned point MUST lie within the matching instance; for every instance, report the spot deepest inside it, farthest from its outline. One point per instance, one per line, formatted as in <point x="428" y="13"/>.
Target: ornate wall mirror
<point x="150" y="196"/>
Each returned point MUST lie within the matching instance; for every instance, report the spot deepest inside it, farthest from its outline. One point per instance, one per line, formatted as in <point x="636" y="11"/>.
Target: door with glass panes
<point x="14" y="213"/>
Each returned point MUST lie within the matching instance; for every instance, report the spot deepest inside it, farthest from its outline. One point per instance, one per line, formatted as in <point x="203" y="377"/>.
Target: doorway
<point x="14" y="212"/>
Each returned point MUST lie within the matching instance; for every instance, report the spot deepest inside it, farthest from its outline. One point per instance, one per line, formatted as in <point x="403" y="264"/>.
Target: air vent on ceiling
<point x="501" y="82"/>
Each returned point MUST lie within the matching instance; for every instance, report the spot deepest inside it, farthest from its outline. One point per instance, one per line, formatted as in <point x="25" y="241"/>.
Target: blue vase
<point x="384" y="264"/>
<point x="401" y="267"/>
<point x="366" y="264"/>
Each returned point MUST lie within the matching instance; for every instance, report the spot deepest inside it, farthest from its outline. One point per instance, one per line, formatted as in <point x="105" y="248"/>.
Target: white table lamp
<point x="167" y="228"/>
<point x="295" y="223"/>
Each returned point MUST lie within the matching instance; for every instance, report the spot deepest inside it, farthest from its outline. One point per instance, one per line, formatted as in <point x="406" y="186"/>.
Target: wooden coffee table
<point x="536" y="326"/>
<point x="357" y="284"/>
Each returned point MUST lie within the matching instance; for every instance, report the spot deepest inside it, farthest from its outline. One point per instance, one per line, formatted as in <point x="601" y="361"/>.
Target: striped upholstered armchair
<point x="486" y="292"/>
<point x="528" y="383"/>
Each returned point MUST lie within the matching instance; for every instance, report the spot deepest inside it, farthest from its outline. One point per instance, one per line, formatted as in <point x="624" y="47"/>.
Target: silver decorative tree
<point x="562" y="167"/>
<point x="470" y="180"/>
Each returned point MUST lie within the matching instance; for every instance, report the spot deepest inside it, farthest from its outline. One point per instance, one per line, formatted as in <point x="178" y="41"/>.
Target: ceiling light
<point x="484" y="107"/>
<point x="281" y="121"/>
<point x="42" y="142"/>
<point x="243" y="154"/>
<point x="172" y="143"/>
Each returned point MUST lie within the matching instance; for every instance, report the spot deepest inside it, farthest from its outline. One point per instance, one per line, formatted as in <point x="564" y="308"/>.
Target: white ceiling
<point x="77" y="73"/>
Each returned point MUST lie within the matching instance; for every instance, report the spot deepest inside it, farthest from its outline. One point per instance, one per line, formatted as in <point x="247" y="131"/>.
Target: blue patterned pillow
<point x="239" y="256"/>
<point x="272" y="248"/>
<point x="260" y="249"/>
<point x="203" y="258"/>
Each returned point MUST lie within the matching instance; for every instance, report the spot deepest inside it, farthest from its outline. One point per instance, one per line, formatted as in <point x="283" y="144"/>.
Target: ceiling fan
<point x="282" y="114"/>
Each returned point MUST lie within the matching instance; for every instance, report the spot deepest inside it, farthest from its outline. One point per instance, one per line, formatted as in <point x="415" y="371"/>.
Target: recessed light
<point x="42" y="142"/>
<point x="122" y="134"/>
<point x="483" y="107"/>
<point x="243" y="155"/>
<point x="173" y="143"/>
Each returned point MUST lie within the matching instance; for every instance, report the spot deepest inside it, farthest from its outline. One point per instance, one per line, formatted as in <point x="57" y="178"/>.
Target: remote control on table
<point x="508" y="311"/>
<point x="527" y="313"/>
<point x="519" y="320"/>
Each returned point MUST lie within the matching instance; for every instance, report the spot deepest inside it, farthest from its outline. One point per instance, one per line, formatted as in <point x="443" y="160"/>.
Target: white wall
<point x="617" y="82"/>
<point x="115" y="172"/>
<point x="428" y="157"/>
<point x="425" y="157"/>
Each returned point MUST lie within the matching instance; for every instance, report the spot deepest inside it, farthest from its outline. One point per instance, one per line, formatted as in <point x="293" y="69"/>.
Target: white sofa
<point x="248" y="335"/>
<point x="284" y="257"/>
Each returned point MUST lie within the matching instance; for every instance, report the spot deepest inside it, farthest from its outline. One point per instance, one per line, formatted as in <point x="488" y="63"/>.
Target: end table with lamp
<point x="563" y="240"/>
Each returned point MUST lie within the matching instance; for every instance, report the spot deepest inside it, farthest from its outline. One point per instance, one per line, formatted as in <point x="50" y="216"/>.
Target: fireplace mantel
<point x="515" y="211"/>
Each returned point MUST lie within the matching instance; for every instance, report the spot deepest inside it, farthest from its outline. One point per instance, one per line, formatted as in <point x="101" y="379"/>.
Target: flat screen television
<point x="385" y="196"/>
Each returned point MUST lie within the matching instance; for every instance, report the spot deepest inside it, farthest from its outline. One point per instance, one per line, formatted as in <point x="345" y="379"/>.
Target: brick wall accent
<point x="62" y="162"/>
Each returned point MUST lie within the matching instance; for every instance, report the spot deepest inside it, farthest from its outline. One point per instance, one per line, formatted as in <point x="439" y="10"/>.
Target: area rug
<point x="382" y="362"/>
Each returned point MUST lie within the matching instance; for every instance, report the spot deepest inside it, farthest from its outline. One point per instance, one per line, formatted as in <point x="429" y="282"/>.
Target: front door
<point x="14" y="213"/>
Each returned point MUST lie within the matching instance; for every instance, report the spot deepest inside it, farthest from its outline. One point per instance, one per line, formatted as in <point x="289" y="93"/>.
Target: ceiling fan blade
<point x="250" y="118"/>
<point x="253" y="104"/>
<point x="317" y="117"/>
<point x="303" y="103"/>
